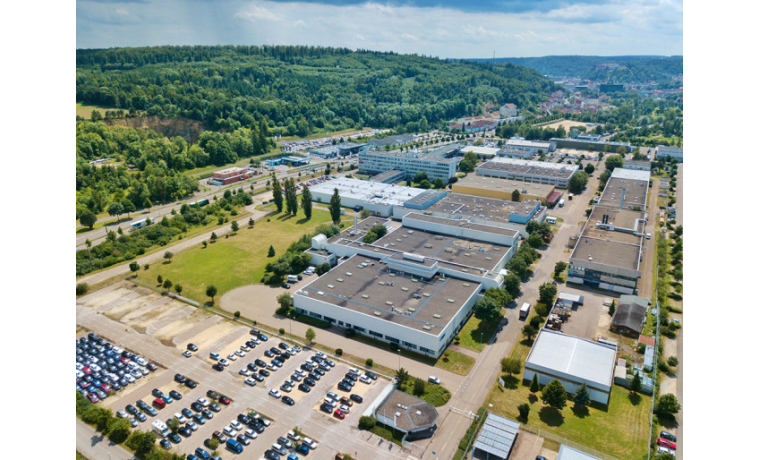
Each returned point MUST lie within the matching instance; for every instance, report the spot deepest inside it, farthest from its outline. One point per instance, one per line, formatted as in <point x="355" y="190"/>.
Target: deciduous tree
<point x="554" y="395"/>
<point x="310" y="335"/>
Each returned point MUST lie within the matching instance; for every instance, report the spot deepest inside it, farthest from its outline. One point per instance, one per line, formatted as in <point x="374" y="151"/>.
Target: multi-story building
<point x="508" y="110"/>
<point x="439" y="163"/>
<point x="391" y="141"/>
<point x="664" y="151"/>
<point x="533" y="147"/>
<point x="556" y="174"/>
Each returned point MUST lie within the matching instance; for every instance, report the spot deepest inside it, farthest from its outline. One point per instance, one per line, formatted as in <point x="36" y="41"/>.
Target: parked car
<point x="665" y="443"/>
<point x="326" y="408"/>
<point x="663" y="434"/>
<point x="357" y="398"/>
<point x="187" y="354"/>
<point x="305" y="388"/>
<point x="249" y="381"/>
<point x="339" y="414"/>
<point x="274" y="393"/>
<point x="288" y="400"/>
<point x="192" y="347"/>
<point x="433" y="379"/>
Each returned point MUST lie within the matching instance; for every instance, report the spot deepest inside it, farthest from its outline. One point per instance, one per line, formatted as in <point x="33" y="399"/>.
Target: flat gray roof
<point x="364" y="285"/>
<point x="497" y="436"/>
<point x="607" y="252"/>
<point x="535" y="168"/>
<point x="568" y="453"/>
<point x="506" y="185"/>
<point x="384" y="175"/>
<point x="368" y="191"/>
<point x="482" y="207"/>
<point x="573" y="356"/>
<point x="408" y="419"/>
<point x="462" y="223"/>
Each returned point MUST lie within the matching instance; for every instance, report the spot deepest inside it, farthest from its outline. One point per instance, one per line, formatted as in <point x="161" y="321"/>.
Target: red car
<point x="87" y="370"/>
<point x="93" y="397"/>
<point x="159" y="403"/>
<point x="666" y="443"/>
<point x="224" y="400"/>
<point x="339" y="414"/>
<point x="105" y="388"/>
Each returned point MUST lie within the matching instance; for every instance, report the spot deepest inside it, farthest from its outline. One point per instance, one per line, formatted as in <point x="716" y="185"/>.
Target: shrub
<point x="369" y="362"/>
<point x="673" y="361"/>
<point x="419" y="387"/>
<point x="339" y="351"/>
<point x="213" y="443"/>
<point x="542" y="309"/>
<point x="350" y="333"/>
<point x="82" y="288"/>
<point x="282" y="331"/>
<point x="146" y="266"/>
<point x="524" y="410"/>
<point x="366" y="423"/>
<point x="536" y="321"/>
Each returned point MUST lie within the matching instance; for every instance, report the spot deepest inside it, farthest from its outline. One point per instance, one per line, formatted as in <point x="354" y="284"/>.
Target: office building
<point x="438" y="163"/>
<point x="540" y="172"/>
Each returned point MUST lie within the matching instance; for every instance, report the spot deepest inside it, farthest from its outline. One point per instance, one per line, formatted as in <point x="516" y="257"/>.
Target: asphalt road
<point x="94" y="445"/>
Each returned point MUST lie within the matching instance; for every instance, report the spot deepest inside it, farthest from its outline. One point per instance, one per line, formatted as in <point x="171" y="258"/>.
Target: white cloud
<point x="613" y="28"/>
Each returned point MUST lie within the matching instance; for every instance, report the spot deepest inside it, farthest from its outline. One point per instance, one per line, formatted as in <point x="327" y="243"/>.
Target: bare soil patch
<point x="167" y="333"/>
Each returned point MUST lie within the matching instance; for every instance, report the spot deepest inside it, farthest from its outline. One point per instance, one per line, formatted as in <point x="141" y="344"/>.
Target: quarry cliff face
<point x="188" y="129"/>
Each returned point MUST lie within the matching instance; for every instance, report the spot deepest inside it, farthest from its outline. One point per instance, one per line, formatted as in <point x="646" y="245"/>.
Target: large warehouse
<point x="572" y="361"/>
<point x="540" y="172"/>
<point x="609" y="252"/>
<point x="493" y="187"/>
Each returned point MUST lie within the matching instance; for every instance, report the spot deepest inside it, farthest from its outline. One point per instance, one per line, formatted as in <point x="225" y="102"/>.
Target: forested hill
<point x="632" y="69"/>
<point x="299" y="90"/>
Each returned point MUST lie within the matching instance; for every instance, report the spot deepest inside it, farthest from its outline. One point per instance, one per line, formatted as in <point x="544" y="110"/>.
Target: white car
<point x="272" y="367"/>
<point x="232" y="357"/>
<point x="180" y="417"/>
<point x="296" y="348"/>
<point x="665" y="450"/>
<point x="344" y="408"/>
<point x="245" y="347"/>
<point x="129" y="377"/>
<point x="286" y="388"/>
<point x="203" y="402"/>
<point x="433" y="379"/>
<point x="224" y="362"/>
<point x="320" y="354"/>
<point x="230" y="432"/>
<point x="240" y="353"/>
<point x="144" y="370"/>
<point x="122" y="414"/>
<point x="80" y="366"/>
<point x="251" y="434"/>
<point x="256" y="340"/>
<point x="365" y="379"/>
<point x="244" y="371"/>
<point x="236" y="425"/>
<point x="290" y="383"/>
<point x="80" y="374"/>
<point x="301" y="372"/>
<point x="192" y="425"/>
<point x="250" y="381"/>
<point x="263" y="420"/>
<point x="136" y="373"/>
<point x="312" y="445"/>
<point x="141" y="361"/>
<point x="95" y="367"/>
<point x="275" y="394"/>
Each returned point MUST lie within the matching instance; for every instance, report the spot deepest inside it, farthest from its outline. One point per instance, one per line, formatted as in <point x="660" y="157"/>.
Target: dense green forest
<point x="637" y="69"/>
<point x="297" y="90"/>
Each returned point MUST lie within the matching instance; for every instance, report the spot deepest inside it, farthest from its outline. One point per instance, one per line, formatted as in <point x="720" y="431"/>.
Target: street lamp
<point x="399" y="358"/>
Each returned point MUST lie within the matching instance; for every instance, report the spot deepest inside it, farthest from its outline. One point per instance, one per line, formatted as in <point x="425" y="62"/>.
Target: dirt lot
<point x="568" y="124"/>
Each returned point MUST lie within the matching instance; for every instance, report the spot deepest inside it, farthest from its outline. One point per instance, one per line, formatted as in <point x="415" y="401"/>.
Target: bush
<point x="524" y="410"/>
<point x="673" y="361"/>
<point x="536" y="321"/>
<point x="366" y="423"/>
<point x="419" y="387"/>
<point x="369" y="362"/>
<point x="350" y="333"/>
<point x="82" y="288"/>
<point x="542" y="309"/>
<point x="213" y="443"/>
<point x="282" y="330"/>
<point x="339" y="352"/>
<point x="237" y="315"/>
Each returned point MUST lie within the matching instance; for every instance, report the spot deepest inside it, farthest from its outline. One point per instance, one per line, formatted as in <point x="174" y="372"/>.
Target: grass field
<point x="390" y="434"/>
<point x="455" y="362"/>
<point x="235" y="261"/>
<point x="621" y="429"/>
<point x="434" y="394"/>
<point x="321" y="135"/>
<point x="476" y="333"/>
<point x="85" y="111"/>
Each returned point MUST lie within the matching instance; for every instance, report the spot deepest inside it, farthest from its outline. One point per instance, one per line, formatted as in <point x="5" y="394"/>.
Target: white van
<point x="525" y="310"/>
<point x="551" y="220"/>
<point x="561" y="203"/>
<point x="160" y="428"/>
<point x="292" y="279"/>
<point x="649" y="236"/>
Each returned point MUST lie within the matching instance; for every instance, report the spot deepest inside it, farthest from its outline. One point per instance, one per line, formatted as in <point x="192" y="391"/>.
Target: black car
<point x="175" y="395"/>
<point x="264" y="372"/>
<point x="262" y="337"/>
<point x="199" y="419"/>
<point x="257" y="427"/>
<point x="186" y="412"/>
<point x="131" y="409"/>
<point x="326" y="408"/>
<point x="141" y="404"/>
<point x="283" y="345"/>
<point x="151" y="366"/>
<point x="196" y="406"/>
<point x="357" y="398"/>
<point x="251" y="344"/>
<point x="310" y="381"/>
<point x="179" y="378"/>
<point x="271" y="455"/>
<point x="207" y="414"/>
<point x="192" y="347"/>
<point x="258" y="377"/>
<point x="252" y="367"/>
<point x="212" y="394"/>
<point x="244" y="419"/>
<point x="165" y="444"/>
<point x="260" y="363"/>
<point x="348" y="382"/>
<point x="217" y="367"/>
<point x="319" y="370"/>
<point x="191" y="383"/>
<point x="275" y="351"/>
<point x="343" y="387"/>
<point x="215" y="407"/>
<point x="323" y="367"/>
<point x="306" y="367"/>
<point x="255" y="331"/>
<point x="269" y="354"/>
<point x="370" y="375"/>
<point x="173" y="437"/>
<point x="284" y="356"/>
<point x="288" y="400"/>
<point x="286" y="286"/>
<point x="314" y="376"/>
<point x="141" y="417"/>
<point x="157" y="393"/>
<point x="185" y="431"/>
<point x="351" y="376"/>
<point x="303" y="387"/>
<point x="278" y="362"/>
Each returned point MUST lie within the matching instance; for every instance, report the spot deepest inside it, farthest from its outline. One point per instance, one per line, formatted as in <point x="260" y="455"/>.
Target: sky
<point x="441" y="28"/>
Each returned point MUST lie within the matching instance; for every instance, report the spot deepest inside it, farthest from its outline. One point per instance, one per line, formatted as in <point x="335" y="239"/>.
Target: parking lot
<point x="163" y="330"/>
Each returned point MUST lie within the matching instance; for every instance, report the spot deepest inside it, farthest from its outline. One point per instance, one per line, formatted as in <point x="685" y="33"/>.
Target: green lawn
<point x="235" y="261"/>
<point x="390" y="434"/>
<point x="455" y="362"/>
<point x="434" y="394"/>
<point x="476" y="333"/>
<point x="621" y="430"/>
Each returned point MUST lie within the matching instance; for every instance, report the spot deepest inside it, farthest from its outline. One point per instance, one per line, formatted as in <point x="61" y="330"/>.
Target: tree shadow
<point x="580" y="411"/>
<point x="635" y="398"/>
<point x="532" y="398"/>
<point x="285" y="217"/>
<point x="511" y="382"/>
<point x="527" y="342"/>
<point x="668" y="422"/>
<point x="551" y="416"/>
<point x="302" y="221"/>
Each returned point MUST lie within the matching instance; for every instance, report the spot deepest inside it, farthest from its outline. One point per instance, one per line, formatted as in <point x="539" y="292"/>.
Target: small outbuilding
<point x="409" y="414"/>
<point x="496" y="438"/>
<point x="630" y="315"/>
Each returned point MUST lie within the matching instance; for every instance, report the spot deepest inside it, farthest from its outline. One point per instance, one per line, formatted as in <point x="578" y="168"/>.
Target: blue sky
<point x="443" y="28"/>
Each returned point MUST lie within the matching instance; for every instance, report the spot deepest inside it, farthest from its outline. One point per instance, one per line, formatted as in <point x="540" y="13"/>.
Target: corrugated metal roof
<point x="497" y="436"/>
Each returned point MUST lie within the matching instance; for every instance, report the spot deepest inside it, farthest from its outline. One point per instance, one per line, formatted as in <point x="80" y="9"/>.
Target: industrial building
<point x="496" y="438"/>
<point x="572" y="361"/>
<point x="556" y="174"/>
<point x="630" y="315"/>
<point x="483" y="152"/>
<point x="389" y="177"/>
<point x="593" y="145"/>
<point x="494" y="187"/>
<point x="378" y="197"/>
<point x="438" y="163"/>
<point x="413" y="287"/>
<point x="231" y="175"/>
<point x="292" y="160"/>
<point x="666" y="152"/>
<point x="392" y="141"/>
<point x="569" y="453"/>
<point x="338" y="150"/>
<point x="608" y="252"/>
<point x="532" y="147"/>
<point x="409" y="414"/>
<point x="640" y="165"/>
<point x="508" y="152"/>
